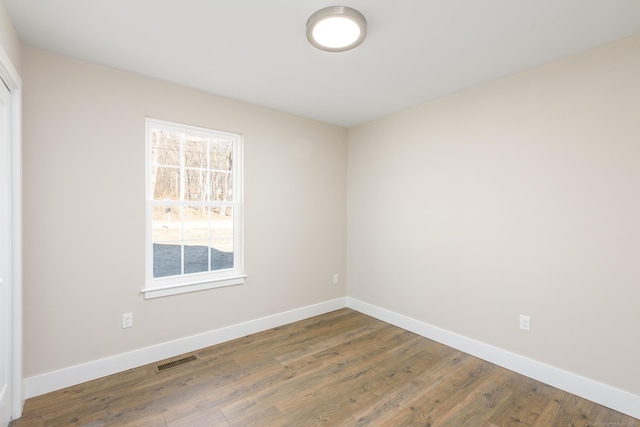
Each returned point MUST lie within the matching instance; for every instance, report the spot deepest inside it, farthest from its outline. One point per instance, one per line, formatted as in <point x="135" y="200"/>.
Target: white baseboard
<point x="594" y="391"/>
<point x="603" y="394"/>
<point x="56" y="380"/>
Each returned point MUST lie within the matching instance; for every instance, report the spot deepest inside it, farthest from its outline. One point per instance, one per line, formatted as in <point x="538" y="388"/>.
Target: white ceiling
<point x="256" y="50"/>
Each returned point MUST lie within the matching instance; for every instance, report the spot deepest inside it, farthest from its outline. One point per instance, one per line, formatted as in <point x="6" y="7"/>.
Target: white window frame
<point x="172" y="285"/>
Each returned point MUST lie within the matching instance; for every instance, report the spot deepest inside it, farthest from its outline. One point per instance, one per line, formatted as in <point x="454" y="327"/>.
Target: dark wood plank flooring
<point x="339" y="369"/>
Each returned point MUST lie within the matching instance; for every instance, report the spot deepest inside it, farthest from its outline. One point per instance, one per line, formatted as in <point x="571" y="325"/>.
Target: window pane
<point x="196" y="222"/>
<point x="221" y="253"/>
<point x="195" y="185"/>
<point x="221" y="155"/>
<point x="165" y="183"/>
<point x="221" y="186"/>
<point x="165" y="148"/>
<point x="196" y="257"/>
<point x="167" y="224"/>
<point x="195" y="151"/>
<point x="222" y="222"/>
<point x="167" y="259"/>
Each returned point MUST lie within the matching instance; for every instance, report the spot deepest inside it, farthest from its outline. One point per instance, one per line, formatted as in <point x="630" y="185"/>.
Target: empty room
<point x="302" y="213"/>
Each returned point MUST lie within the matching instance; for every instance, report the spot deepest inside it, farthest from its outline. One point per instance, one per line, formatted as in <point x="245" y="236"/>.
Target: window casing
<point x="193" y="209"/>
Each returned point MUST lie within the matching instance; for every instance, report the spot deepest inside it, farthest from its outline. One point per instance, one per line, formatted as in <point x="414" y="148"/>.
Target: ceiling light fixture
<point x="336" y="28"/>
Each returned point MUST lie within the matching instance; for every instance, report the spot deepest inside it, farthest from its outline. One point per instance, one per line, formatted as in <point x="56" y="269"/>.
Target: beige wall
<point x="9" y="39"/>
<point x="520" y="196"/>
<point x="84" y="212"/>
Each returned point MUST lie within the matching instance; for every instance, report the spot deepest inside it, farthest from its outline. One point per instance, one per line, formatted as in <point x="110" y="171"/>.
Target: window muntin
<point x="194" y="220"/>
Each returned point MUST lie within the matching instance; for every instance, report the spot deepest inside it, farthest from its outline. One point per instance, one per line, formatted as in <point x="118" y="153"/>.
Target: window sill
<point x="191" y="287"/>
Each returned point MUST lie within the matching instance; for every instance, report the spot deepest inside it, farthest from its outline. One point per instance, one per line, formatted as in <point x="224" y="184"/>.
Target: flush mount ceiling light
<point x="336" y="28"/>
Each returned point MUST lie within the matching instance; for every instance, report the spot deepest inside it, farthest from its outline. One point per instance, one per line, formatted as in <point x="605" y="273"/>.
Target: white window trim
<point x="174" y="285"/>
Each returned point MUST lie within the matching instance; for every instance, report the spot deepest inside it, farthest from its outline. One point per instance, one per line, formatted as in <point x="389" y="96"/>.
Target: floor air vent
<point x="165" y="366"/>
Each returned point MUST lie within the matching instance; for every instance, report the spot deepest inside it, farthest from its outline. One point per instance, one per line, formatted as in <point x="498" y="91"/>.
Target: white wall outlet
<point x="127" y="320"/>
<point x="525" y="323"/>
<point x="336" y="279"/>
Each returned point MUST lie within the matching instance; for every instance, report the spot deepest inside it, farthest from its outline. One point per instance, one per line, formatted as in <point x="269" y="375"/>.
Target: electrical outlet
<point x="336" y="279"/>
<point x="127" y="320"/>
<point x="525" y="323"/>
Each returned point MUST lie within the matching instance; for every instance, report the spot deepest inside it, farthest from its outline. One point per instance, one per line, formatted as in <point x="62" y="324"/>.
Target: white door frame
<point x="10" y="77"/>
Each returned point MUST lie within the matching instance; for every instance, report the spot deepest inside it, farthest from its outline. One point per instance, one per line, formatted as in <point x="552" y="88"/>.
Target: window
<point x="194" y="209"/>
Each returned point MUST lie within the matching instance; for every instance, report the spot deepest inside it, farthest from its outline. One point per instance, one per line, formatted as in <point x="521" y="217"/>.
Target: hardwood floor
<point x="339" y="369"/>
